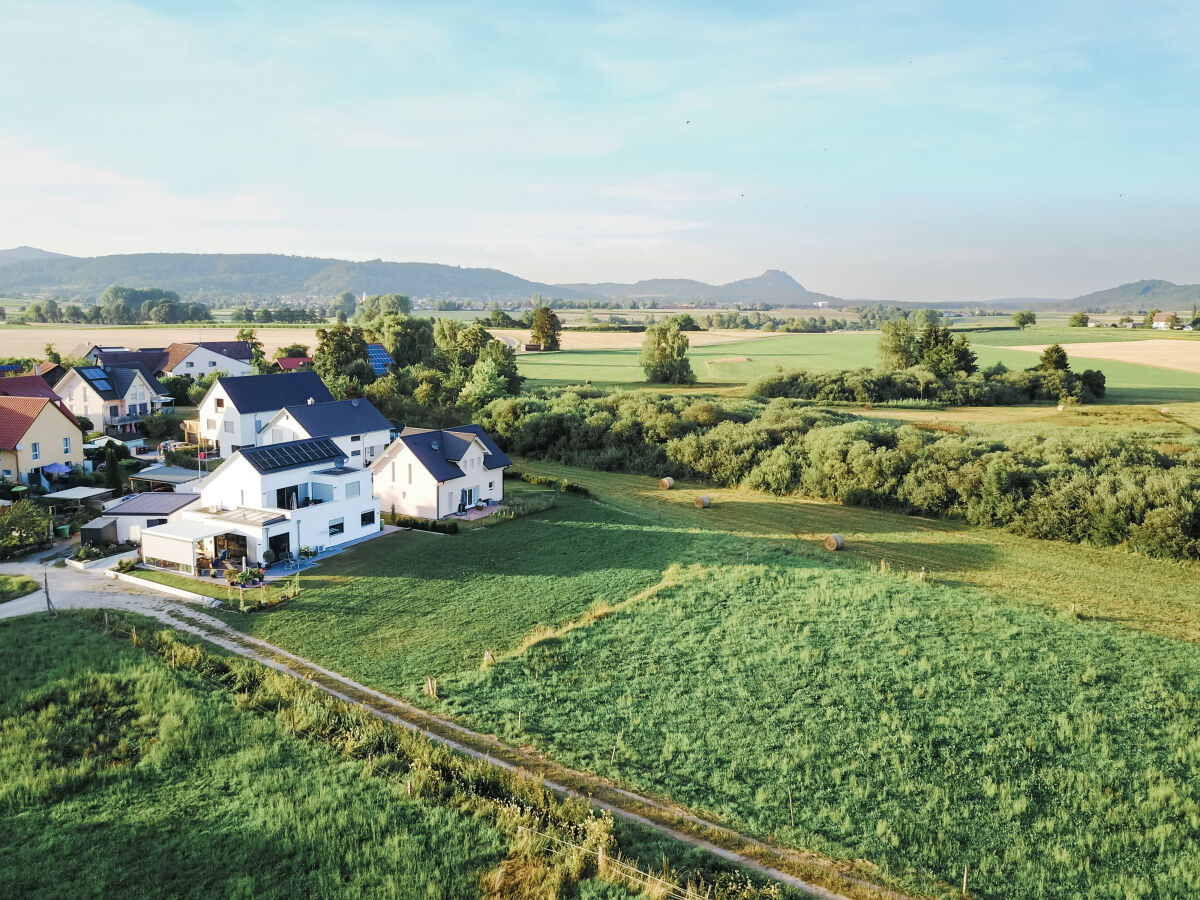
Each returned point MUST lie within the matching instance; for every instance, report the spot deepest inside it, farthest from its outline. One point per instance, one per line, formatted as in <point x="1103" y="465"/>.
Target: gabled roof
<point x="337" y="419"/>
<point x="113" y="383"/>
<point x="51" y="372"/>
<point x="1163" y="317"/>
<point x="151" y="358"/>
<point x="258" y="393"/>
<point x="440" y="450"/>
<point x="16" y="415"/>
<point x="154" y="503"/>
<point x="290" y="455"/>
<point x="177" y="353"/>
<point x="34" y="386"/>
<point x="290" y="363"/>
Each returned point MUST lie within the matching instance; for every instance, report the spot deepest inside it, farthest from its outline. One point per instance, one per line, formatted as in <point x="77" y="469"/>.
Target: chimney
<point x="310" y="401"/>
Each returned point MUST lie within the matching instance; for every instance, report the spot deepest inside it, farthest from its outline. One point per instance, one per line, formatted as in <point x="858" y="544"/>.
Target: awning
<point x="76" y="493"/>
<point x="185" y="530"/>
<point x="176" y="541"/>
<point x="56" y="468"/>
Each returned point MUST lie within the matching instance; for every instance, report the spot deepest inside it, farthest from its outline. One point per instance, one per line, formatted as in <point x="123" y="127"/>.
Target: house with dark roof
<point x="183" y="358"/>
<point x="234" y="410"/>
<point x="113" y="398"/>
<point x="36" y="433"/>
<point x="432" y="473"/>
<point x="133" y="512"/>
<point x="276" y="498"/>
<point x="359" y="429"/>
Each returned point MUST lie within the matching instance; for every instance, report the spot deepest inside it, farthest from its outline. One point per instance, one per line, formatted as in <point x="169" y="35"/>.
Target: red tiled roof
<point x="16" y="415"/>
<point x="288" y="363"/>
<point x="33" y="386"/>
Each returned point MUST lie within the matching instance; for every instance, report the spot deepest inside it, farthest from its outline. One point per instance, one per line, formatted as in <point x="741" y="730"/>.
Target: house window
<point x="8" y="473"/>
<point x="67" y="446"/>
<point x="410" y="473"/>
<point x="229" y="427"/>
<point x="491" y="485"/>
<point x="189" y="365"/>
<point x="337" y="526"/>
<point x="367" y="518"/>
<point x="354" y="439"/>
<point x="114" y="411"/>
<point x="356" y="453"/>
<point x="220" y="403"/>
<point x="36" y="449"/>
<point x="210" y="424"/>
<point x="353" y="489"/>
<point x="212" y="363"/>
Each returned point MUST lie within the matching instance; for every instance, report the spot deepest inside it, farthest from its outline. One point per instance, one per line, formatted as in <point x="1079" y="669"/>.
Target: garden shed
<point x="99" y="532"/>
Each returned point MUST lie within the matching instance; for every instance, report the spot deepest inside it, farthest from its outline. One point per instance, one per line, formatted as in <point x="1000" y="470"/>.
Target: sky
<point x="900" y="150"/>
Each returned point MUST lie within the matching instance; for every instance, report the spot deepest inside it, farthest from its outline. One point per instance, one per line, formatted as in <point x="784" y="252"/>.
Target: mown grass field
<point x="125" y="778"/>
<point x="975" y="718"/>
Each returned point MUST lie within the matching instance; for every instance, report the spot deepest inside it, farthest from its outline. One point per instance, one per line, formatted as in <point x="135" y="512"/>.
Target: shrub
<point x="441" y="526"/>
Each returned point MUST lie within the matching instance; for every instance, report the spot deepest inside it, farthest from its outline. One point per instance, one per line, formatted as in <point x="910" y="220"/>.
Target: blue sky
<point x="894" y="150"/>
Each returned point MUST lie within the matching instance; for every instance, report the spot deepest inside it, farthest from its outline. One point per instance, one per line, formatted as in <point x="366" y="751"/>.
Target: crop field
<point x="1028" y="710"/>
<point x="123" y="777"/>
<point x="1181" y="355"/>
<point x="30" y="340"/>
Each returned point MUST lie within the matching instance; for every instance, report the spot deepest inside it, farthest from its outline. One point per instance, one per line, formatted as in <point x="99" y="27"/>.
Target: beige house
<point x="34" y="434"/>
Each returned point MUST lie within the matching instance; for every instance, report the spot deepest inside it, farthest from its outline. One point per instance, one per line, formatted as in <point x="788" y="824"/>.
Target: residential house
<point x="356" y="426"/>
<point x="114" y="398"/>
<point x="381" y="361"/>
<point x="135" y="512"/>
<point x="51" y="373"/>
<point x="234" y="410"/>
<point x="435" y="473"/>
<point x="1164" y="321"/>
<point x="281" y="497"/>
<point x="189" y="358"/>
<point x="292" y="363"/>
<point x="35" y="434"/>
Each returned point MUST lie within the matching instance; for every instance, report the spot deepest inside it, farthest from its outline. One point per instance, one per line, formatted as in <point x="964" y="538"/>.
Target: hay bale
<point x="666" y="483"/>
<point x="835" y="542"/>
<point x="1166" y="410"/>
<point x="703" y="502"/>
<point x="1061" y="407"/>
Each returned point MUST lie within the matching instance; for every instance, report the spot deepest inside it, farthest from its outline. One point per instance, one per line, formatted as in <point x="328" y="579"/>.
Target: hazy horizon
<point x="924" y="153"/>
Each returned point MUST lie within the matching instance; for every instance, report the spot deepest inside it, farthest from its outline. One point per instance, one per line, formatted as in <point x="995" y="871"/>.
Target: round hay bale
<point x="1166" y="410"/>
<point x="703" y="502"/>
<point x="835" y="542"/>
<point x="1061" y="407"/>
<point x="666" y="483"/>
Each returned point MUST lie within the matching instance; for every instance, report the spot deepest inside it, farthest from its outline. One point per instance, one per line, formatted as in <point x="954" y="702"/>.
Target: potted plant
<point x="268" y="558"/>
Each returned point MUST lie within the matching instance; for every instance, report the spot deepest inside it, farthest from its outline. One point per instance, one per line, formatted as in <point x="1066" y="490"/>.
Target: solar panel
<point x="93" y="372"/>
<point x="101" y="384"/>
<point x="379" y="358"/>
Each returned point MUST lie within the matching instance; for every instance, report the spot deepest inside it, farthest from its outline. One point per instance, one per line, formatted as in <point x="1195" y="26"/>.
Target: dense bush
<point x="994" y="387"/>
<point x="559" y="484"/>
<point x="1098" y="488"/>
<point x="441" y="526"/>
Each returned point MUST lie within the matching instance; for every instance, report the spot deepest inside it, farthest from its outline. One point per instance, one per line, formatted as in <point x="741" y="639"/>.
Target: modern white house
<point x="234" y="410"/>
<point x="432" y="473"/>
<point x="113" y="398"/>
<point x="281" y="497"/>
<point x="187" y="358"/>
<point x="356" y="426"/>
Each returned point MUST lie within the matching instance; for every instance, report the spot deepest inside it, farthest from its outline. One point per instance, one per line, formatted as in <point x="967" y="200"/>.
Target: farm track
<point x="808" y="873"/>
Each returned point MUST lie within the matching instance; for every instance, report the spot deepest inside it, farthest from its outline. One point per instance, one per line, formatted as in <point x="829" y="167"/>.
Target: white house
<point x="135" y="512"/>
<point x="281" y="497"/>
<point x="434" y="473"/>
<point x="234" y="410"/>
<point x="188" y="358"/>
<point x="356" y="426"/>
<point x="114" y="398"/>
<point x="1164" y="321"/>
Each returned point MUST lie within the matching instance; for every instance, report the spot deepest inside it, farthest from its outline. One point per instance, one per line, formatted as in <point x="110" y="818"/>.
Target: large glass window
<point x="367" y="518"/>
<point x="337" y="526"/>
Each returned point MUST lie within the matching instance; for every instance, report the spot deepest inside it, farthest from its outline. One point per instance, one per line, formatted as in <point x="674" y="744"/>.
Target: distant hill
<point x="773" y="286"/>
<point x="1146" y="294"/>
<point x="255" y="275"/>
<point x="24" y="254"/>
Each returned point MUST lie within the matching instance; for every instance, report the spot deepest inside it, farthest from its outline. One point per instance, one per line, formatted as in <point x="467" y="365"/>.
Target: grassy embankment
<point x="922" y="726"/>
<point x="14" y="586"/>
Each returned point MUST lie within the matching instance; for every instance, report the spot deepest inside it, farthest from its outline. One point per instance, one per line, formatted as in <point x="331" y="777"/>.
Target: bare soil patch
<point x="1182" y="356"/>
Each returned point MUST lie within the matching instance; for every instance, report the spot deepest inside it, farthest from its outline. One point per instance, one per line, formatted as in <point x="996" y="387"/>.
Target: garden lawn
<point x="14" y="586"/>
<point x="396" y="609"/>
<point x="124" y="778"/>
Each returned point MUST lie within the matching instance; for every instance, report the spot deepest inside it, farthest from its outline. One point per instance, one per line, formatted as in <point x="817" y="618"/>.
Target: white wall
<point x="226" y="426"/>
<point x="202" y="361"/>
<point x="422" y="496"/>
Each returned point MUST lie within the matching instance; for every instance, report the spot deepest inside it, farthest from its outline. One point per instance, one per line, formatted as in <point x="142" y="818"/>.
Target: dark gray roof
<point x="259" y="393"/>
<point x="291" y="455"/>
<point x="112" y="382"/>
<point x="341" y="417"/>
<point x="440" y="450"/>
<point x="155" y="503"/>
<point x="150" y="357"/>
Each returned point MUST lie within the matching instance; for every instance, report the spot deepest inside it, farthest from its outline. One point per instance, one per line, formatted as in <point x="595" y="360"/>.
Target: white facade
<point x="203" y="361"/>
<point x="223" y="425"/>
<point x="404" y="486"/>
<point x="361" y="449"/>
<point x="121" y="414"/>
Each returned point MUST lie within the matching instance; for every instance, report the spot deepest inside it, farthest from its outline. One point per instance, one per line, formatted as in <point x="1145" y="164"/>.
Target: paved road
<point x="74" y="589"/>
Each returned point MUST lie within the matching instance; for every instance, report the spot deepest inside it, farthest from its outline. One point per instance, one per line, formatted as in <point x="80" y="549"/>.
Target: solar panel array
<point x="296" y="453"/>
<point x="379" y="358"/>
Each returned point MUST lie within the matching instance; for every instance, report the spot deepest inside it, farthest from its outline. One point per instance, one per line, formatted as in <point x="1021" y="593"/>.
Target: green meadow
<point x="839" y="704"/>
